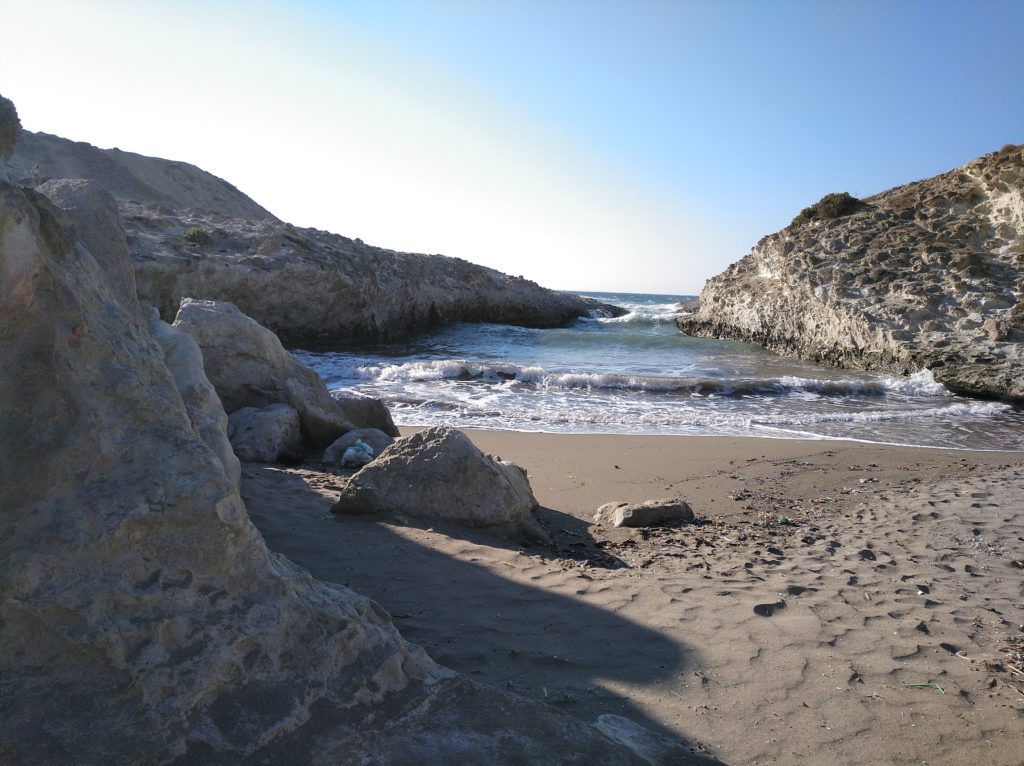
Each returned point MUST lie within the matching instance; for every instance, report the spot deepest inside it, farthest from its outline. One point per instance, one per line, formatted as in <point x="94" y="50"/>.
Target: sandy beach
<point x="836" y="602"/>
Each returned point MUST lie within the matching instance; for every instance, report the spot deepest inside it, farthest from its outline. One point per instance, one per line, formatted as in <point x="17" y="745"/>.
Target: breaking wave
<point x="921" y="384"/>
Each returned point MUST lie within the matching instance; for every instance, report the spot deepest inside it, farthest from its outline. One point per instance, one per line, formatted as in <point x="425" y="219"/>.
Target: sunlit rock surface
<point x="306" y="285"/>
<point x="930" y="274"/>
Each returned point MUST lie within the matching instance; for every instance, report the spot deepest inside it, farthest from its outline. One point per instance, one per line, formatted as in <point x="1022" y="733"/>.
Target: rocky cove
<point x="145" y="618"/>
<point x="926" y="275"/>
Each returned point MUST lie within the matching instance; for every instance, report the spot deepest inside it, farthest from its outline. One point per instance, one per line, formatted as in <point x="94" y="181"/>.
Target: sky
<point x="620" y="146"/>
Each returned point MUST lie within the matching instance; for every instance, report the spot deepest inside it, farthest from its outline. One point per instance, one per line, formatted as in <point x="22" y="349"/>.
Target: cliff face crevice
<point x="306" y="285"/>
<point x="930" y="274"/>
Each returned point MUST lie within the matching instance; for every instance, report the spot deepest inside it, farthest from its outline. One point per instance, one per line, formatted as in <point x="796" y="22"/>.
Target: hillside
<point x="925" y="275"/>
<point x="308" y="286"/>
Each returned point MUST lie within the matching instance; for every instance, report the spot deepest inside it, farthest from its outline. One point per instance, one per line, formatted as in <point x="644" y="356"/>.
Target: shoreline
<point x="753" y="640"/>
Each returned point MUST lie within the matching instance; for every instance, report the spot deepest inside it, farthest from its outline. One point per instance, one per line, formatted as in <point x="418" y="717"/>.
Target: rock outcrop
<point x="184" y="360"/>
<point x="440" y="474"/>
<point x="250" y="368"/>
<point x="927" y="275"/>
<point x="95" y="222"/>
<point x="156" y="183"/>
<point x="142" y="618"/>
<point x="306" y="285"/>
<point x="266" y="435"/>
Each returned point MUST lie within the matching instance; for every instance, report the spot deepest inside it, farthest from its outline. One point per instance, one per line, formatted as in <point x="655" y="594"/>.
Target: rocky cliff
<point x="142" y="618"/>
<point x="151" y="181"/>
<point x="930" y="274"/>
<point x="191" y="234"/>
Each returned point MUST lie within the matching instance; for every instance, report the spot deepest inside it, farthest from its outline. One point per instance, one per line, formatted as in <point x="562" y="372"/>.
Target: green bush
<point x="828" y="207"/>
<point x="198" y="236"/>
<point x="10" y="128"/>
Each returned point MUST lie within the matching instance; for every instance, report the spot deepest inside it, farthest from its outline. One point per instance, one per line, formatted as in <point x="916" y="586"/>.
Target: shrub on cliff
<point x="10" y="128"/>
<point x="828" y="207"/>
<point x="197" y="236"/>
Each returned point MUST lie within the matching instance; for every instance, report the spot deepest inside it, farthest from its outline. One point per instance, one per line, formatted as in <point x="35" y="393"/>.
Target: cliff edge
<point x="926" y="275"/>
<point x="191" y="234"/>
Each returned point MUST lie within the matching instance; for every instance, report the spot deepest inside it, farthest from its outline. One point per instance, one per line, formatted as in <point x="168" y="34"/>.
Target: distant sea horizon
<point x="637" y="374"/>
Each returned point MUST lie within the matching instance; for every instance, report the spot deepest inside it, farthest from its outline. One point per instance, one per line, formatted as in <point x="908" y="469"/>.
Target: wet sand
<point x="879" y="622"/>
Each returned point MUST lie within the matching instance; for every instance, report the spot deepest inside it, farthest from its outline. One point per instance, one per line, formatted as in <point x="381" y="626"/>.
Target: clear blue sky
<point x="591" y="145"/>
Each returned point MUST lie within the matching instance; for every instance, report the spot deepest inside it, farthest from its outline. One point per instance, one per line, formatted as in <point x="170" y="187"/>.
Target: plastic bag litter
<point x="359" y="453"/>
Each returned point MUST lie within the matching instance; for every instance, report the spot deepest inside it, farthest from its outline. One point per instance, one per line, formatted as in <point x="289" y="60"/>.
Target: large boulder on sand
<point x="250" y="368"/>
<point x="266" y="435"/>
<point x="650" y="513"/>
<point x="439" y="473"/>
<point x="142" y="618"/>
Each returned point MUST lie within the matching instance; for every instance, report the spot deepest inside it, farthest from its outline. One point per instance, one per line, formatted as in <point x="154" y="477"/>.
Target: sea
<point x="637" y="374"/>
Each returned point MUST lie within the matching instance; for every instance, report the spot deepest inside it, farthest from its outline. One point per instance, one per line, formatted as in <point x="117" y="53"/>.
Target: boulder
<point x="266" y="435"/>
<point x="439" y="473"/>
<point x="367" y="412"/>
<point x="184" y="360"/>
<point x="250" y="368"/>
<point x="650" y="513"/>
<point x="377" y="440"/>
<point x="142" y="618"/>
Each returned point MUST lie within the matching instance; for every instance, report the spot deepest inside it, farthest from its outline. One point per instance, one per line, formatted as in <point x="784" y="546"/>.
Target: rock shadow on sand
<point x="528" y="631"/>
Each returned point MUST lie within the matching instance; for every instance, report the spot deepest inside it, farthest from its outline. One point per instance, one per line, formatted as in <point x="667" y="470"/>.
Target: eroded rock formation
<point x="184" y="360"/>
<point x="271" y="434"/>
<point x="142" y="618"/>
<point x="930" y="274"/>
<point x="250" y="368"/>
<point x="439" y="473"/>
<point x="306" y="285"/>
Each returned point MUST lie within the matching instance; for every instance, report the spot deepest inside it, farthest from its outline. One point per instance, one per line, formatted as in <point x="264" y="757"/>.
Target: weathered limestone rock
<point x="266" y="435"/>
<point x="367" y="412"/>
<point x="650" y="513"/>
<point x="184" y="360"/>
<point x="142" y="618"/>
<point x="250" y="368"/>
<point x="376" y="439"/>
<point x="160" y="184"/>
<point x="306" y="285"/>
<point x="654" y="748"/>
<point x="927" y="275"/>
<point x="439" y="473"/>
<point x="92" y="215"/>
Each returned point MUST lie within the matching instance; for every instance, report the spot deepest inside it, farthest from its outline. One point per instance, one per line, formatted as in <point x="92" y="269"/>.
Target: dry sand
<point x="760" y="642"/>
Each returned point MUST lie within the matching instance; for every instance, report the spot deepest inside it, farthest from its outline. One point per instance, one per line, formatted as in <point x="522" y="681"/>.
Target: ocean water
<point x="637" y="375"/>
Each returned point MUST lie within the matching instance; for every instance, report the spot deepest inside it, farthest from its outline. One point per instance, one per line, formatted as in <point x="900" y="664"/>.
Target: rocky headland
<point x="191" y="234"/>
<point x="926" y="275"/>
<point x="143" y="619"/>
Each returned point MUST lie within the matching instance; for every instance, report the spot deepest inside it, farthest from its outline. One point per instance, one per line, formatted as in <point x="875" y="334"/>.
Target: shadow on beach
<point x="532" y="638"/>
